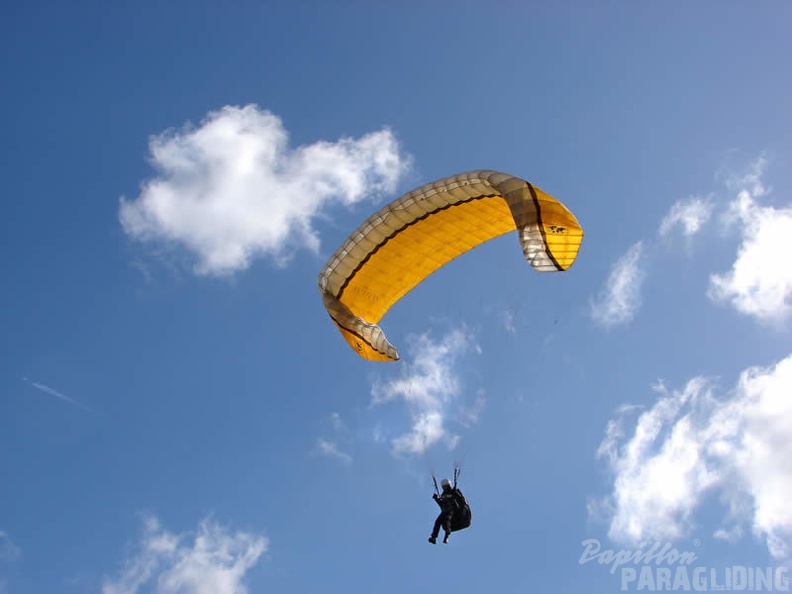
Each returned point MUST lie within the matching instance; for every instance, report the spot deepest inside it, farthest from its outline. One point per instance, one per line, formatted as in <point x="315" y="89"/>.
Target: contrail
<point x="57" y="394"/>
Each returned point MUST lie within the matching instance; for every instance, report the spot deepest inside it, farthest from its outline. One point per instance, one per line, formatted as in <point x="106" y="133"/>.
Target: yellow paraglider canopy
<point x="410" y="238"/>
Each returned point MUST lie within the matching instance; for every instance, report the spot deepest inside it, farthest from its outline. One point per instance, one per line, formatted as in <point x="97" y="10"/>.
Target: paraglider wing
<point x="410" y="238"/>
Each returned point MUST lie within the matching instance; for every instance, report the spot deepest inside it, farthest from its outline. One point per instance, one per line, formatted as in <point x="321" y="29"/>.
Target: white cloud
<point x="509" y="321"/>
<point x="331" y="450"/>
<point x="621" y="297"/>
<point x="338" y="424"/>
<point x="470" y="415"/>
<point x="429" y="387"/>
<point x="750" y="180"/>
<point x="54" y="392"/>
<point x="232" y="189"/>
<point x="211" y="561"/>
<point x="8" y="550"/>
<point x="690" y="215"/>
<point x="332" y="447"/>
<point x="759" y="283"/>
<point x="691" y="444"/>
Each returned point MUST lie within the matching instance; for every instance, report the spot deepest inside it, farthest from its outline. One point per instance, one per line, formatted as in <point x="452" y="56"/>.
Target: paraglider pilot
<point x="450" y="501"/>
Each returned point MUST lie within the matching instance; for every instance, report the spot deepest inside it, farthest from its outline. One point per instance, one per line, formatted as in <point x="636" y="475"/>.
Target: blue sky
<point x="178" y="413"/>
